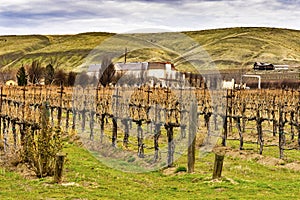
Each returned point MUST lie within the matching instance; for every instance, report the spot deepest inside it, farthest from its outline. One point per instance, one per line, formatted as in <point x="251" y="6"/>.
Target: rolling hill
<point x="229" y="48"/>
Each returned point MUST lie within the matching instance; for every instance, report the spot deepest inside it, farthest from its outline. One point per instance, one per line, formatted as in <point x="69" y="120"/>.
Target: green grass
<point x="93" y="180"/>
<point x="230" y="48"/>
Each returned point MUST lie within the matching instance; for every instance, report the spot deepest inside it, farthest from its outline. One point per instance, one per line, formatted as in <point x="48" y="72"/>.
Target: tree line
<point x="36" y="74"/>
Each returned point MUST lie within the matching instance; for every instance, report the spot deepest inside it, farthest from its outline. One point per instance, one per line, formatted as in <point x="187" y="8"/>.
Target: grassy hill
<point x="229" y="48"/>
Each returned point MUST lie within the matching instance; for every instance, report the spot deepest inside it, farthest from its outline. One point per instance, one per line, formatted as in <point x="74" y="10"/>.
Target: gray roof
<point x="94" y="68"/>
<point x="131" y="66"/>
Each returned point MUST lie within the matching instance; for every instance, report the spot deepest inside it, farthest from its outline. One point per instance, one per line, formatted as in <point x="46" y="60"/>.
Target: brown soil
<point x="11" y="162"/>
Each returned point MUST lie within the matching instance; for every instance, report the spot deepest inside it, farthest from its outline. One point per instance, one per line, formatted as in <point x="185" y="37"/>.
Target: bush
<point x="180" y="169"/>
<point x="42" y="145"/>
<point x="131" y="159"/>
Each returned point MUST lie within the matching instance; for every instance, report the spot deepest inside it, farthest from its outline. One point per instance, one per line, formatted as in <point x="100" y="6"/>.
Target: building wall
<point x="11" y="82"/>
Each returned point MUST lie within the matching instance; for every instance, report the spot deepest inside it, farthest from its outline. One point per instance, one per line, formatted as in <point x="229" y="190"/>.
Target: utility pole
<point x="125" y="57"/>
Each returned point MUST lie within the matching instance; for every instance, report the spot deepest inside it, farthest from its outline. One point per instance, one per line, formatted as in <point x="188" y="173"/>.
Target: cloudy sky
<point x="76" y="16"/>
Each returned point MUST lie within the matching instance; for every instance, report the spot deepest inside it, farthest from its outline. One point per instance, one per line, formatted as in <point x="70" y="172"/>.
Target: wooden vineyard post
<point x="147" y="107"/>
<point x="241" y="119"/>
<point x="170" y="133"/>
<point x="218" y="166"/>
<point x="259" y="121"/>
<point x="157" y="133"/>
<point x="67" y="119"/>
<point x="207" y="116"/>
<point x="182" y="116"/>
<point x="13" y="127"/>
<point x="1" y="101"/>
<point x="83" y="117"/>
<point x="102" y="121"/>
<point x="238" y="125"/>
<point x="115" y="117"/>
<point x="297" y="119"/>
<point x="244" y="118"/>
<point x="140" y="138"/>
<point x="171" y="145"/>
<point x="292" y="125"/>
<point x="240" y="133"/>
<point x="126" y="132"/>
<point x="274" y="121"/>
<point x="224" y="138"/>
<point x="58" y="173"/>
<point x="281" y="132"/>
<point x="215" y="117"/>
<point x="230" y="108"/>
<point x="5" y="142"/>
<point x="73" y="110"/>
<point x="102" y="111"/>
<point x="74" y="113"/>
<point x="23" y="126"/>
<point x="52" y="115"/>
<point x="92" y="114"/>
<point x="82" y="111"/>
<point x="192" y="137"/>
<point x="59" y="112"/>
<point x="298" y="128"/>
<point x="114" y="132"/>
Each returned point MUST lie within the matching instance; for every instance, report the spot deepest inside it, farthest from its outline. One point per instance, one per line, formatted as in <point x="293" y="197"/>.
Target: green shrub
<point x="42" y="145"/>
<point x="131" y="159"/>
<point x="180" y="169"/>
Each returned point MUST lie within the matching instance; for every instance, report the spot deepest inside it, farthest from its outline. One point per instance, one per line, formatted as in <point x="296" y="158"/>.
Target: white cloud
<point x="70" y="16"/>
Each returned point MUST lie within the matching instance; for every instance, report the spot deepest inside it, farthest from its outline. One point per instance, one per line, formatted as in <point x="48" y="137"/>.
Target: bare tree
<point x="71" y="78"/>
<point x="6" y="75"/>
<point x="60" y="77"/>
<point x="35" y="72"/>
<point x="83" y="79"/>
<point x="22" y="77"/>
<point x="106" y="72"/>
<point x="49" y="74"/>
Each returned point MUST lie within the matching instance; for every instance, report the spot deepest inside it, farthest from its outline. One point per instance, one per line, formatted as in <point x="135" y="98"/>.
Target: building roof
<point x="159" y="65"/>
<point x="136" y="66"/>
<point x="11" y="82"/>
<point x="94" y="68"/>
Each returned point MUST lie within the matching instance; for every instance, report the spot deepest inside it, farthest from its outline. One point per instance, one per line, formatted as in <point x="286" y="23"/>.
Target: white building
<point x="228" y="84"/>
<point x="163" y="71"/>
<point x="11" y="83"/>
<point x="93" y="70"/>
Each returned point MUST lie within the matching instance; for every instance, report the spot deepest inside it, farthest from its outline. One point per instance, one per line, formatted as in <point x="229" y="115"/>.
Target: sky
<point x="120" y="16"/>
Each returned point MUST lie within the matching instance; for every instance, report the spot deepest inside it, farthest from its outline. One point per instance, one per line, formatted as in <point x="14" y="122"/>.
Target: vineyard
<point x="154" y="124"/>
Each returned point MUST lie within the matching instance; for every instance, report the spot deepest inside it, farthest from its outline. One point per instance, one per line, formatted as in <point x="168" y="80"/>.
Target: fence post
<point x="102" y="120"/>
<point x="59" y="114"/>
<point x="225" y="130"/>
<point x="192" y="137"/>
<point x="67" y="119"/>
<point x="218" y="166"/>
<point x="60" y="158"/>
<point x="126" y="132"/>
<point x="114" y="132"/>
<point x="171" y="144"/>
<point x="1" y="101"/>
<point x="140" y="138"/>
<point x="92" y="113"/>
<point x="281" y="132"/>
<point x="259" y="121"/>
